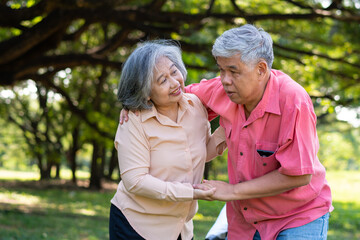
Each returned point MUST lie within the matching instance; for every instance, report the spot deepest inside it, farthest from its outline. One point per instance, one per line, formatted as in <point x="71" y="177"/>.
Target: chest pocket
<point x="264" y="157"/>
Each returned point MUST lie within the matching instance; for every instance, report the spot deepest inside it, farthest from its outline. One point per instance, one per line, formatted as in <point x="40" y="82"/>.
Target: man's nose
<point x="225" y="79"/>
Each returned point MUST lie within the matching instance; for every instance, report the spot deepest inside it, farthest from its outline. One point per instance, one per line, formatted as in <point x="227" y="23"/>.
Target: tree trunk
<point x="57" y="167"/>
<point x="113" y="164"/>
<point x="95" y="178"/>
<point x="72" y="153"/>
<point x="207" y="170"/>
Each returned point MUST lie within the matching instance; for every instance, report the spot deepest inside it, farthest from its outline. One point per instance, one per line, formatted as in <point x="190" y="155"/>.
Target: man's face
<point x="242" y="83"/>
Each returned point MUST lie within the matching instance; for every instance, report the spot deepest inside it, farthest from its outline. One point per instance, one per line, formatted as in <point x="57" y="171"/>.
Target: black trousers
<point x="120" y="228"/>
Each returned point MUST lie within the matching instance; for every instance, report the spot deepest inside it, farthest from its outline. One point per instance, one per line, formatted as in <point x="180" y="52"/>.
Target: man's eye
<point x="163" y="81"/>
<point x="174" y="72"/>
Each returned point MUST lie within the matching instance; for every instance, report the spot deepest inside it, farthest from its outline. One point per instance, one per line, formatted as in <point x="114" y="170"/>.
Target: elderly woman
<point x="162" y="150"/>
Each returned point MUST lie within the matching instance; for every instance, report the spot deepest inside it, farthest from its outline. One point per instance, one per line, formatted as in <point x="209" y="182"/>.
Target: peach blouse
<point x="159" y="162"/>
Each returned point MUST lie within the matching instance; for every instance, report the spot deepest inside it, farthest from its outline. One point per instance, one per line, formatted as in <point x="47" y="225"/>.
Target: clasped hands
<point x="213" y="190"/>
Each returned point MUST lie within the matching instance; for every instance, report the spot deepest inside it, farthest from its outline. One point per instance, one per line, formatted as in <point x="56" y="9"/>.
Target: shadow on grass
<point x="15" y="224"/>
<point x="75" y="213"/>
<point x="43" y="211"/>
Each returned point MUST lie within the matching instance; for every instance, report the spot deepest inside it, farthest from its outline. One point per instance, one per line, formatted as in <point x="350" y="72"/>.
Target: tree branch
<point x="341" y="60"/>
<point x="13" y="48"/>
<point x="74" y="109"/>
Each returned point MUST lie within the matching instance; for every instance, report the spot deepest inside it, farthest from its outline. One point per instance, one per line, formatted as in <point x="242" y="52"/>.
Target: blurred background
<point x="60" y="63"/>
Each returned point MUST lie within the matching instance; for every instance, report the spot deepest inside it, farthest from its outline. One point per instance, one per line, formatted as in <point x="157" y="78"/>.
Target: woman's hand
<point x="223" y="191"/>
<point x="205" y="193"/>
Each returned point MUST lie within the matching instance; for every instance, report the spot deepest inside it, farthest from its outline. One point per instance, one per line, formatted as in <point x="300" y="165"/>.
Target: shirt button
<point x="241" y="154"/>
<point x="264" y="164"/>
<point x="255" y="222"/>
<point x="245" y="127"/>
<point x="245" y="208"/>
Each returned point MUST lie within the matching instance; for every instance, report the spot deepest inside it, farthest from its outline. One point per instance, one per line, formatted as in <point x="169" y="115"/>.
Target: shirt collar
<point x="269" y="102"/>
<point x="271" y="95"/>
<point x="184" y="104"/>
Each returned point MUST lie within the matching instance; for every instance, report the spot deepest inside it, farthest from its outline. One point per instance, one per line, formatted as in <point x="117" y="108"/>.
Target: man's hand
<point x="124" y="115"/>
<point x="223" y="191"/>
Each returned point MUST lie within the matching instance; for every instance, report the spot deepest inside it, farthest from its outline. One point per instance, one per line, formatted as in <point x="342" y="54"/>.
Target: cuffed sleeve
<point x="134" y="161"/>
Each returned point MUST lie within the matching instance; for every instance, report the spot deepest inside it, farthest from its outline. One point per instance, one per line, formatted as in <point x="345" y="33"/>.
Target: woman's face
<point x="166" y="88"/>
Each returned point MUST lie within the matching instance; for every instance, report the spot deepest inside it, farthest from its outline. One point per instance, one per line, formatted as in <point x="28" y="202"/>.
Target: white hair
<point x="138" y="72"/>
<point x="253" y="44"/>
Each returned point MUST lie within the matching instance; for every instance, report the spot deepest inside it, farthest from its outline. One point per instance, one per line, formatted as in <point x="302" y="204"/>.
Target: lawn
<point x="55" y="211"/>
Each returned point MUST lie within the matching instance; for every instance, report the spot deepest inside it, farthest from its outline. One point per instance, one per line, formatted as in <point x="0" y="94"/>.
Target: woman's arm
<point x="134" y="161"/>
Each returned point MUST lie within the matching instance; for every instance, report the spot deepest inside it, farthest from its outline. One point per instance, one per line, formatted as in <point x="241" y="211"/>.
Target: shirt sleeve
<point x="204" y="91"/>
<point x="134" y="162"/>
<point x="213" y="96"/>
<point x="298" y="153"/>
<point x="216" y="143"/>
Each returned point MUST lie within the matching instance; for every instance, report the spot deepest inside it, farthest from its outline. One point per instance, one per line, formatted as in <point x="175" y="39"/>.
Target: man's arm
<point x="270" y="184"/>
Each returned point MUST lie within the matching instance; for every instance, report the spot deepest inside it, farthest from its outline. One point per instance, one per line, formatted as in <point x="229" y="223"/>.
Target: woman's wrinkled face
<point x="166" y="87"/>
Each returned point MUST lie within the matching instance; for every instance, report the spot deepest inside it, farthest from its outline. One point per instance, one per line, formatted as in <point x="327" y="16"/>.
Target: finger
<point x="121" y="116"/>
<point x="200" y="187"/>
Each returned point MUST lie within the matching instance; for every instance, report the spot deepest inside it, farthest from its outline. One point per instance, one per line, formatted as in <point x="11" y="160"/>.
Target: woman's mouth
<point x="176" y="92"/>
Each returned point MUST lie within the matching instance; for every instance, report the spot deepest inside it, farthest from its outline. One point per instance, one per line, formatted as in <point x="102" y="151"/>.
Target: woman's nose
<point x="174" y="82"/>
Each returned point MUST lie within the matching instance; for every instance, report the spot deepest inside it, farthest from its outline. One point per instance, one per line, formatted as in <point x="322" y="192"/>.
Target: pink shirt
<point x="284" y="123"/>
<point x="159" y="161"/>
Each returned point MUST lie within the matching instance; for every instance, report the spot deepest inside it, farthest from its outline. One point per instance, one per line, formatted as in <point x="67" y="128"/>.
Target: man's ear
<point x="262" y="68"/>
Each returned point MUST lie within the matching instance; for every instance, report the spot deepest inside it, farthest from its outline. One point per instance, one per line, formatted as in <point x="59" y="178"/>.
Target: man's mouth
<point x="229" y="93"/>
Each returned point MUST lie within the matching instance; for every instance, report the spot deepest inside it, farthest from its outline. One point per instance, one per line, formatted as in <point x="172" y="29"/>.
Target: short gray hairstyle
<point x="138" y="72"/>
<point x="252" y="43"/>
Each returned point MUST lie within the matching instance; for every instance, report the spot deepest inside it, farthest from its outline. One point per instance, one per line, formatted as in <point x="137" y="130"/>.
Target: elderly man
<point x="277" y="187"/>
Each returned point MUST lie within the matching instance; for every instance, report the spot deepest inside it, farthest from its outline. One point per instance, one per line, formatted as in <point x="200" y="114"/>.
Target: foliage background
<point x="60" y="63"/>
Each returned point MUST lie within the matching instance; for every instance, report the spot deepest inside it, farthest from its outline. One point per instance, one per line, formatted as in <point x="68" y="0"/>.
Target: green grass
<point x="29" y="211"/>
<point x="32" y="175"/>
<point x="345" y="219"/>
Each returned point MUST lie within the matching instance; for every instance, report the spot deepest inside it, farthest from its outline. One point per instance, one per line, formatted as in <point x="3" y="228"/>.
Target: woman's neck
<point x="169" y="111"/>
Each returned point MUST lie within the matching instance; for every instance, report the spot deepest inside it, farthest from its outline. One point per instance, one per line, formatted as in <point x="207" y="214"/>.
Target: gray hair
<point x="138" y="72"/>
<point x="252" y="43"/>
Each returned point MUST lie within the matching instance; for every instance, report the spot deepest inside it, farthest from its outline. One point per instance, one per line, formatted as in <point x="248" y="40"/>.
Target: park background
<point x="60" y="63"/>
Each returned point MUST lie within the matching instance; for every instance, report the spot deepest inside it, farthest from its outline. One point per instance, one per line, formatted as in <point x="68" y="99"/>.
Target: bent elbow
<point x="132" y="183"/>
<point x="305" y="180"/>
